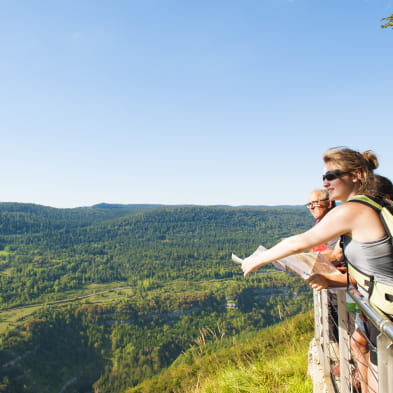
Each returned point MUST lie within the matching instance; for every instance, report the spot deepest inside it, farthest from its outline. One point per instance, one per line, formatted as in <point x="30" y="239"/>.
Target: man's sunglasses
<point x="329" y="176"/>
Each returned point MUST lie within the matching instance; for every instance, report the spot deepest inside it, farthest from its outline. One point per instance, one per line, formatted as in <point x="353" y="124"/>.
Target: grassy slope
<point x="274" y="360"/>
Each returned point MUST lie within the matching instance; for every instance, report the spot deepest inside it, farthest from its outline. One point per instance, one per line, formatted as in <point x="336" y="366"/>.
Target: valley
<point x="101" y="299"/>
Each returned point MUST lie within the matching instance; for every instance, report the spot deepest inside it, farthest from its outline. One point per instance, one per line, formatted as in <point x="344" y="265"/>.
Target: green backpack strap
<point x="383" y="206"/>
<point x="373" y="202"/>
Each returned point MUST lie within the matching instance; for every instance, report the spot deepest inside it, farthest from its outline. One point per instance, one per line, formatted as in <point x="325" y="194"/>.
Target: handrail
<point x="336" y="355"/>
<point x="381" y="321"/>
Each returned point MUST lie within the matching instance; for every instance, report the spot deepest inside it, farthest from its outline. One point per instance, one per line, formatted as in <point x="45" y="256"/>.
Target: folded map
<point x="304" y="264"/>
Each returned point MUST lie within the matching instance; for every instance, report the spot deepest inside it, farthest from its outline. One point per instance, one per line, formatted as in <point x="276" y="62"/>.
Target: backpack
<point x="380" y="294"/>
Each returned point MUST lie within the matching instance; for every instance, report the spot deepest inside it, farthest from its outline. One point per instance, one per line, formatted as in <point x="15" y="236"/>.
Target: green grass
<point x="272" y="361"/>
<point x="11" y="318"/>
<point x="284" y="374"/>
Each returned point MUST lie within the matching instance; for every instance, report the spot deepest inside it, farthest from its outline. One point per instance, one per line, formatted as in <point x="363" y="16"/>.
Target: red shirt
<point x="321" y="247"/>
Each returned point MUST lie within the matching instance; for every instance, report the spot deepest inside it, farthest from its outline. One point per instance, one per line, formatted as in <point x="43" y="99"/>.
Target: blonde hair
<point x="348" y="160"/>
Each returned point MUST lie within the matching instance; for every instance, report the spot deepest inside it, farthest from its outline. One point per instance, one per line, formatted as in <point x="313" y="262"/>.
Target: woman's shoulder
<point x="361" y="203"/>
<point x="353" y="206"/>
<point x="365" y="220"/>
<point x="353" y="212"/>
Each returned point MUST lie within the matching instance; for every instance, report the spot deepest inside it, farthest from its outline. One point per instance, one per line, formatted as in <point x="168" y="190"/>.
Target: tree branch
<point x="389" y="23"/>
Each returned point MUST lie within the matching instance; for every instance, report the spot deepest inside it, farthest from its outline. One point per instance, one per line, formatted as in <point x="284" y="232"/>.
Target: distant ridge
<point x="104" y="205"/>
<point x="24" y="206"/>
<point x="270" y="206"/>
<point x="140" y="206"/>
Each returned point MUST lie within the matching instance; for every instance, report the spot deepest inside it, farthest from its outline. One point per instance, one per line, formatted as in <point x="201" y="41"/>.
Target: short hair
<point x="325" y="195"/>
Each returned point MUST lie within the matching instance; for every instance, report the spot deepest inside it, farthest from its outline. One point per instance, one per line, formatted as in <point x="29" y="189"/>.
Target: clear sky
<point x="188" y="101"/>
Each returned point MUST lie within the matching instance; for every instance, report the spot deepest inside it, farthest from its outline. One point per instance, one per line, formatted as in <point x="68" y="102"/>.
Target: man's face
<point x="317" y="205"/>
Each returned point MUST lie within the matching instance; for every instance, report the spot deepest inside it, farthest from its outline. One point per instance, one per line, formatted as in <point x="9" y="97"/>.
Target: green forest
<point x="104" y="298"/>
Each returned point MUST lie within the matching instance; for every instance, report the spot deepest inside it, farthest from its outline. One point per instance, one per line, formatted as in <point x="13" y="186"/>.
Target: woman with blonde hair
<point x="366" y="244"/>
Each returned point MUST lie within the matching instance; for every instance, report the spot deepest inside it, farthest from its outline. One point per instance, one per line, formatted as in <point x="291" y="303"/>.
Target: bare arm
<point x="319" y="281"/>
<point x="337" y="222"/>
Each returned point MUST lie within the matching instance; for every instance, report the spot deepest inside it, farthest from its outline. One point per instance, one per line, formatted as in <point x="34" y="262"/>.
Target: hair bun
<point x="371" y="159"/>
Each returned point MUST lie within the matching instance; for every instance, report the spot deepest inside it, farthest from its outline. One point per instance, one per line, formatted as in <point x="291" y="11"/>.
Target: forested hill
<point x="102" y="298"/>
<point x="27" y="218"/>
<point x="47" y="250"/>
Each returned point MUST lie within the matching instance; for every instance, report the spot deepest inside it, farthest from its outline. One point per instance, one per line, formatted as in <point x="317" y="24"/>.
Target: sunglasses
<point x="329" y="176"/>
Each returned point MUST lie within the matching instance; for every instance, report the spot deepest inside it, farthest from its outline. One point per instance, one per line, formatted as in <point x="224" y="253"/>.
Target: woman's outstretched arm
<point x="337" y="222"/>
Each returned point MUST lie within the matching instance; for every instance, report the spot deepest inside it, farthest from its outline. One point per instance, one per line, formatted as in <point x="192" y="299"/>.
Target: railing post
<point x="385" y="363"/>
<point x="325" y="333"/>
<point x="344" y="343"/>
<point x="317" y="316"/>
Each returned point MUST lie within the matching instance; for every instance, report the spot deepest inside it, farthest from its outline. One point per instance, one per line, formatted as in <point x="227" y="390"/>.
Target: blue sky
<point x="188" y="101"/>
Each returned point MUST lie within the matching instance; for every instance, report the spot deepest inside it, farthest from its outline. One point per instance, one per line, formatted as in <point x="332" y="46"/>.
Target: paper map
<point x="303" y="264"/>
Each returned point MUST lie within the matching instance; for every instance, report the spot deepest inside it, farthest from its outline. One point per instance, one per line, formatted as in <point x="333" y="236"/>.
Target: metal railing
<point x="345" y="365"/>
